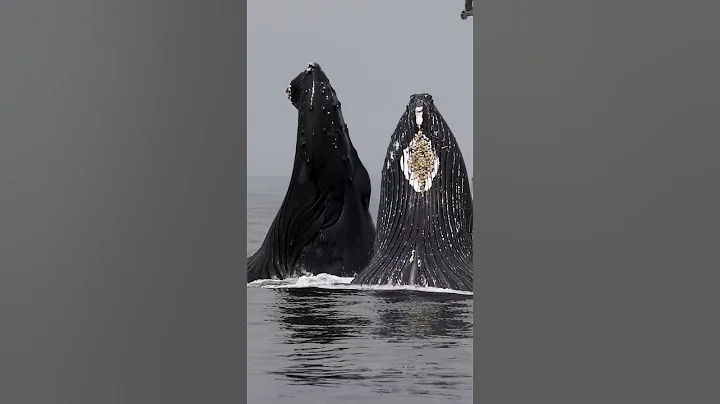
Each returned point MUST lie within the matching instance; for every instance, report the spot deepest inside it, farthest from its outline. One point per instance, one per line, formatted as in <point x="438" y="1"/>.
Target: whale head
<point x="323" y="140"/>
<point x="424" y="150"/>
<point x="309" y="88"/>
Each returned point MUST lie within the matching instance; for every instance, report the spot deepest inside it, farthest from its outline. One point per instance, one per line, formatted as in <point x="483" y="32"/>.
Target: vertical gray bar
<point x="122" y="202"/>
<point x="711" y="391"/>
<point x="596" y="127"/>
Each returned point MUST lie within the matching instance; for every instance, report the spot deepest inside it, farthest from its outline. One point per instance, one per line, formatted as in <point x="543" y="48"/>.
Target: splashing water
<point x="326" y="281"/>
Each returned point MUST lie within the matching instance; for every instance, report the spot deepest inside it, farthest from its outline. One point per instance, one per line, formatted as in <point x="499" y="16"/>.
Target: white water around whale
<point x="332" y="282"/>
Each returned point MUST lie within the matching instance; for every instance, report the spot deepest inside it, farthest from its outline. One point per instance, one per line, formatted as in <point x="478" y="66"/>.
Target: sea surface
<point x="316" y="339"/>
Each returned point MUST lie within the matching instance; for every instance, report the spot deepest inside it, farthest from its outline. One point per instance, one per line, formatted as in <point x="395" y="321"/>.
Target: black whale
<point x="323" y="225"/>
<point x="425" y="217"/>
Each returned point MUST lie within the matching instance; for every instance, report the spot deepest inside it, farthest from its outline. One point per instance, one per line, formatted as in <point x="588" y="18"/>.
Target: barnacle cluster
<point x="421" y="159"/>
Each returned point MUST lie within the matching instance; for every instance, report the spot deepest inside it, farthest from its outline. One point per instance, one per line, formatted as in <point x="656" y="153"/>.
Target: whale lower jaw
<point x="422" y="265"/>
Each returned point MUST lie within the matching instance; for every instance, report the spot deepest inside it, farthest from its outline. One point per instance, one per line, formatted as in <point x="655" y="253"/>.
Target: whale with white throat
<point x="425" y="216"/>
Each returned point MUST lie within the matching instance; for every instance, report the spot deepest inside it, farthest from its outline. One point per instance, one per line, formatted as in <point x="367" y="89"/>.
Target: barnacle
<point x="422" y="159"/>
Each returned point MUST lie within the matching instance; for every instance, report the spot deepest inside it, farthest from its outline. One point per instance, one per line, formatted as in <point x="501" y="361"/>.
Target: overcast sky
<point x="376" y="54"/>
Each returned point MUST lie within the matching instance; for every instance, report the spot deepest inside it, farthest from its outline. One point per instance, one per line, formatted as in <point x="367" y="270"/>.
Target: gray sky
<point x="376" y="54"/>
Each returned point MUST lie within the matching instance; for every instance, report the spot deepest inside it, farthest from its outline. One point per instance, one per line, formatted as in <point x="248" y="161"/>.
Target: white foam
<point x="325" y="281"/>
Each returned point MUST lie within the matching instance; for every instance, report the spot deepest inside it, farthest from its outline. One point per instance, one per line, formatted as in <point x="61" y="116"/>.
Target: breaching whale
<point x="324" y="223"/>
<point x="425" y="216"/>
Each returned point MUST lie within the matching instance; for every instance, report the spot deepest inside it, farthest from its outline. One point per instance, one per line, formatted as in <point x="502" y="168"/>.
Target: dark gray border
<point x="237" y="24"/>
<point x="122" y="202"/>
<point x="596" y="201"/>
<point x="477" y="202"/>
<point x="477" y="206"/>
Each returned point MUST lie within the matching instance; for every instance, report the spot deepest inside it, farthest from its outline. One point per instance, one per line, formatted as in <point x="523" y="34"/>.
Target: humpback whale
<point x="425" y="216"/>
<point x="324" y="223"/>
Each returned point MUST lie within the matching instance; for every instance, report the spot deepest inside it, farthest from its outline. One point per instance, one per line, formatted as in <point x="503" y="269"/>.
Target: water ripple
<point x="385" y="342"/>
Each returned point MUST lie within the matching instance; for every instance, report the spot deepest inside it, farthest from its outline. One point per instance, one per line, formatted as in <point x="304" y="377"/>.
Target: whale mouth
<point x="321" y="124"/>
<point x="323" y="140"/>
<point x="310" y="87"/>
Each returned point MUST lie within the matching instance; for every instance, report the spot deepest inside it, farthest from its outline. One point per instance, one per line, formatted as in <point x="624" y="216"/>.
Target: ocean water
<point x="317" y="340"/>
